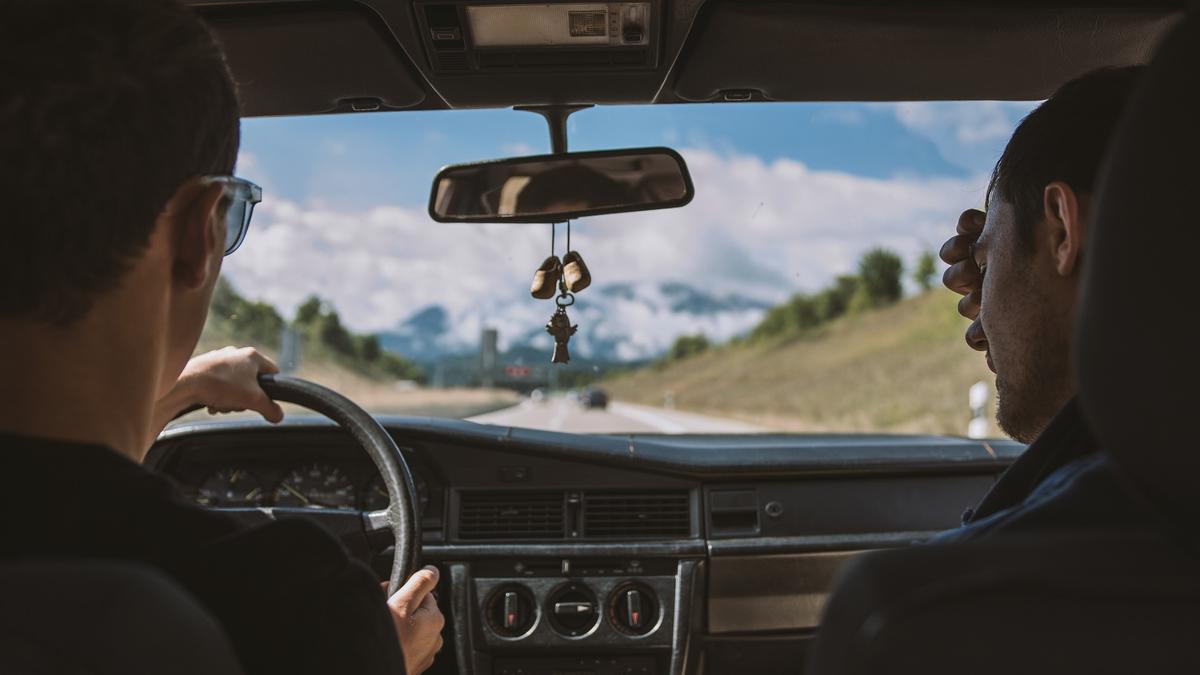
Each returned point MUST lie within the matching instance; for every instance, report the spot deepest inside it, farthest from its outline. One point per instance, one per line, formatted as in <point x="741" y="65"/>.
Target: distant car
<point x="593" y="398"/>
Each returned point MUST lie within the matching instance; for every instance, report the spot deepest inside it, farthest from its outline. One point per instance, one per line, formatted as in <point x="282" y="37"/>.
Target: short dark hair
<point x="107" y="107"/>
<point x="1063" y="139"/>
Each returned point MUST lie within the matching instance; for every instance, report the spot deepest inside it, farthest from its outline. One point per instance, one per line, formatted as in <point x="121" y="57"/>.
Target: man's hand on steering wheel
<point x="225" y="380"/>
<point x="418" y="620"/>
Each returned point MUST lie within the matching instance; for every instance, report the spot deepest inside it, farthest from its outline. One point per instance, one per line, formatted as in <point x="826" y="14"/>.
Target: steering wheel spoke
<point x="400" y="517"/>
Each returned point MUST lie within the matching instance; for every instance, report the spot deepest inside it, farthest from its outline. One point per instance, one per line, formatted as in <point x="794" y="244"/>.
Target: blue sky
<point x="788" y="195"/>
<point x="347" y="161"/>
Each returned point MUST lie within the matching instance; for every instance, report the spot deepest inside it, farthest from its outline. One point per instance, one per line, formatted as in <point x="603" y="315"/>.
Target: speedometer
<point x="230" y="487"/>
<point x="318" y="486"/>
<point x="375" y="497"/>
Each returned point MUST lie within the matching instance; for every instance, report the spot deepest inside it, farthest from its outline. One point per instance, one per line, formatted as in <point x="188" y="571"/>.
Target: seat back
<point x="1134" y="340"/>
<point x="1095" y="604"/>
<point x="104" y="618"/>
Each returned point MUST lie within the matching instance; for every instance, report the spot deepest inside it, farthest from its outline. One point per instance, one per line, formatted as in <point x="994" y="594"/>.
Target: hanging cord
<point x="553" y="227"/>
<point x="568" y="236"/>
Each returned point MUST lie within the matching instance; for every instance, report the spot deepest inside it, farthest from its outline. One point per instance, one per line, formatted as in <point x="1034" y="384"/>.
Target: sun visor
<point x="792" y="52"/>
<point x="303" y="62"/>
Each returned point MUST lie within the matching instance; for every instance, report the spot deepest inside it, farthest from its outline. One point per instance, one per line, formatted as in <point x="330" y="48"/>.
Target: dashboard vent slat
<point x="511" y="515"/>
<point x="631" y="515"/>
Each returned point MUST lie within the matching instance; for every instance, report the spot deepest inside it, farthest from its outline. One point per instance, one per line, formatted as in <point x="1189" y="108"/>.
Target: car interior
<point x="644" y="554"/>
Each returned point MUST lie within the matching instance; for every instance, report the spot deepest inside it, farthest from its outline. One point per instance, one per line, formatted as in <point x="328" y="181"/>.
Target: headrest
<point x="1138" y="367"/>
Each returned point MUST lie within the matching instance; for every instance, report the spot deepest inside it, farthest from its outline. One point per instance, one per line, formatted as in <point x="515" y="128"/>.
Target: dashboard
<point x="567" y="554"/>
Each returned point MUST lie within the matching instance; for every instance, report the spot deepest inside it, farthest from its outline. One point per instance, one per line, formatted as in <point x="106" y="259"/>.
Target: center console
<point x="575" y="616"/>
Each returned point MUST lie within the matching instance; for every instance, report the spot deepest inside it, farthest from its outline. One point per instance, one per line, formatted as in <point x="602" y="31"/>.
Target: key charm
<point x="561" y="329"/>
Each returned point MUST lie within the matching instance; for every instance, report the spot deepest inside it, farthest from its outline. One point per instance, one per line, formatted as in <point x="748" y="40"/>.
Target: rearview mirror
<point x="553" y="188"/>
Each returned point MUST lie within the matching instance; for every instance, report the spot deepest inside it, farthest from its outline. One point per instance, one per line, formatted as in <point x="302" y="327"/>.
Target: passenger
<point x="119" y="131"/>
<point x="1018" y="268"/>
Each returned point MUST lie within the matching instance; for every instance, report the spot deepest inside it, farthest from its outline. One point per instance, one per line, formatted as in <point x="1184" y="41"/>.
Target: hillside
<point x="903" y="368"/>
<point x="373" y="384"/>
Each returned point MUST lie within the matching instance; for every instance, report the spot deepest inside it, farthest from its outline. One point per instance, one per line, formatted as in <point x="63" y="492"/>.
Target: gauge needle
<point x="299" y="496"/>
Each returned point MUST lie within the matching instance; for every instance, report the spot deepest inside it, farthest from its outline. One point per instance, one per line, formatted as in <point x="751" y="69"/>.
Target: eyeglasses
<point x="241" y="195"/>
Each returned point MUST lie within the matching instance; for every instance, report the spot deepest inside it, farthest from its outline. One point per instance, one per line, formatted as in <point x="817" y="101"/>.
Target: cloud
<point x="969" y="134"/>
<point x="755" y="228"/>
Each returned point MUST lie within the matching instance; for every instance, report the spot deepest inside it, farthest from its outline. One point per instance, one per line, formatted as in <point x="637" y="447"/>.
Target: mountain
<point x="618" y="323"/>
<point x="902" y="368"/>
<point x="422" y="336"/>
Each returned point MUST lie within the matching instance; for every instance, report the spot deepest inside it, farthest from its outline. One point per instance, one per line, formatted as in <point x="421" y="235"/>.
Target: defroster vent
<point x="511" y="515"/>
<point x="637" y="514"/>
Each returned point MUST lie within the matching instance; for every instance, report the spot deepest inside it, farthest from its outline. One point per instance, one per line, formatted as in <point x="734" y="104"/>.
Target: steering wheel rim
<point x="401" y="515"/>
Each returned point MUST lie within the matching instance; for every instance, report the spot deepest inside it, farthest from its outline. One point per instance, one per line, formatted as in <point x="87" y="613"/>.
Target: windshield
<point x="799" y="291"/>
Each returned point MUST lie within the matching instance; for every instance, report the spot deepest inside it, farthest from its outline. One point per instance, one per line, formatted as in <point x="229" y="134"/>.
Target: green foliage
<point x="925" y="271"/>
<point x="877" y="284"/>
<point x="309" y="311"/>
<point x="334" y="335"/>
<point x="687" y="345"/>
<point x="368" y="348"/>
<point x="321" y="329"/>
<point x="256" y="323"/>
<point x="834" y="301"/>
<point x="879" y="273"/>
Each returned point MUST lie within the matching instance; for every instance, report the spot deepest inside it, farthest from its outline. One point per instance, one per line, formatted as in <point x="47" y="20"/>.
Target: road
<point x="564" y="414"/>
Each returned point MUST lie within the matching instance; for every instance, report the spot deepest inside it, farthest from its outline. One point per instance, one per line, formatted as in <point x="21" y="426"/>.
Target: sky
<point x="787" y="197"/>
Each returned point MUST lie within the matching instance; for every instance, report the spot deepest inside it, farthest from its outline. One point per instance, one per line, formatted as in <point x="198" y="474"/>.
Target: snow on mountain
<point x="617" y="322"/>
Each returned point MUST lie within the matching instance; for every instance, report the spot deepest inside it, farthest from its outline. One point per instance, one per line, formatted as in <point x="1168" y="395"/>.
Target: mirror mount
<point x="556" y="119"/>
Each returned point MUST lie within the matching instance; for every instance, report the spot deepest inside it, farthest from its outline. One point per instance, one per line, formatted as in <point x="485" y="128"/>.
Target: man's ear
<point x="199" y="234"/>
<point x="1065" y="215"/>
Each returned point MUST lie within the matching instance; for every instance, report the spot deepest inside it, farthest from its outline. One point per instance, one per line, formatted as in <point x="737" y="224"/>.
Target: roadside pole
<point x="977" y="398"/>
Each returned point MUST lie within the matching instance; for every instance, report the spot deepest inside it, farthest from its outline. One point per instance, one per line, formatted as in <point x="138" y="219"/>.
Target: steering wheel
<point x="400" y="515"/>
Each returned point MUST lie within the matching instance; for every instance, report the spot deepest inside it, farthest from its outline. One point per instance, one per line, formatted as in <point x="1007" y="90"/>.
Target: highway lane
<point x="561" y="413"/>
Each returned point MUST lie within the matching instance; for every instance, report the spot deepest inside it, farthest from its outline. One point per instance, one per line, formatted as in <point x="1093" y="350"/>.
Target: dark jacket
<point x="287" y="593"/>
<point x="1061" y="482"/>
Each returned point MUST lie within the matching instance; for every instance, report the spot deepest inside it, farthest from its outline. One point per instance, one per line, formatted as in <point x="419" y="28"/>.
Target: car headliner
<point x="312" y="56"/>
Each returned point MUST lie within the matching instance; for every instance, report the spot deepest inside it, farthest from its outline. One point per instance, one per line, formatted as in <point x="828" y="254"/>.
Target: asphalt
<point x="565" y="414"/>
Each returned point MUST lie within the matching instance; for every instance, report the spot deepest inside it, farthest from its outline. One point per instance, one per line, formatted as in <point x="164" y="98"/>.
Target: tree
<point x="687" y="345"/>
<point x="368" y="348"/>
<point x="334" y="335"/>
<point x="879" y="272"/>
<point x="925" y="271"/>
<point x="309" y="311"/>
<point x="834" y="301"/>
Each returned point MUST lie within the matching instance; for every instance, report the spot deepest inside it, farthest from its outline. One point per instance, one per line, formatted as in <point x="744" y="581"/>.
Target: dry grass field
<point x="904" y="368"/>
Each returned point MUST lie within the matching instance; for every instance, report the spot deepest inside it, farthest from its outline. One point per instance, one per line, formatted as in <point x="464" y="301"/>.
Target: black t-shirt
<point x="287" y="593"/>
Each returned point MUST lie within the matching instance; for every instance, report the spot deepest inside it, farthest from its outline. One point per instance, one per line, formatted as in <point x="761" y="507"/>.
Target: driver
<point x="119" y="132"/>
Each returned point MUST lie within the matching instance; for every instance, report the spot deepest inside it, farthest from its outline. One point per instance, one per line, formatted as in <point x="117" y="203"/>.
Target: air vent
<point x="511" y="515"/>
<point x="637" y="514"/>
<point x="452" y="61"/>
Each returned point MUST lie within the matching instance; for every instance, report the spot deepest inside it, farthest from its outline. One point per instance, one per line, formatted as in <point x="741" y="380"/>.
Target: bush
<point x="926" y="270"/>
<point x="256" y="323"/>
<point x="687" y="345"/>
<point x="879" y="273"/>
<point x="877" y="284"/>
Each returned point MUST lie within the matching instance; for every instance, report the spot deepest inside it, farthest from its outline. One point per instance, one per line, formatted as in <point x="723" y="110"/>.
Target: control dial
<point x="573" y="610"/>
<point x="511" y="611"/>
<point x="633" y="609"/>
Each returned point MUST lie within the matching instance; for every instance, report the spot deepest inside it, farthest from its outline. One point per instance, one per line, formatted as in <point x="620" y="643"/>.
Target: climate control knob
<point x="573" y="609"/>
<point x="511" y="611"/>
<point x="633" y="609"/>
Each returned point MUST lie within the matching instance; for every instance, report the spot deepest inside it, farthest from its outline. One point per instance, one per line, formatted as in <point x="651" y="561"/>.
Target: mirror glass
<point x="551" y="188"/>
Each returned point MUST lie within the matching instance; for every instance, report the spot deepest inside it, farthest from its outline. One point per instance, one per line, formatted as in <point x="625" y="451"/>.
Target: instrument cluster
<point x="315" y="485"/>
